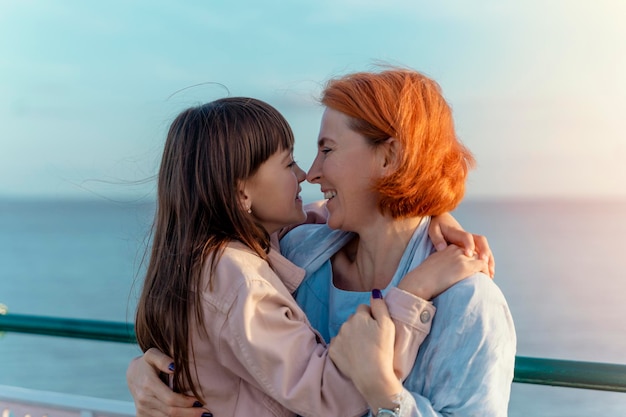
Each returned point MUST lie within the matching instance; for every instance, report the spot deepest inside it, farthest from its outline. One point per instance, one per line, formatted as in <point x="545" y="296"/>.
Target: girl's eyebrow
<point x="288" y="156"/>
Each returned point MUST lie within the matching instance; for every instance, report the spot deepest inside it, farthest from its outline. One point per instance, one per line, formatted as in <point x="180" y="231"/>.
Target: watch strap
<point x="391" y="412"/>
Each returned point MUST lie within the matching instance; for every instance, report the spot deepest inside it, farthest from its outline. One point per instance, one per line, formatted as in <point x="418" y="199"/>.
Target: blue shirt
<point x="465" y="365"/>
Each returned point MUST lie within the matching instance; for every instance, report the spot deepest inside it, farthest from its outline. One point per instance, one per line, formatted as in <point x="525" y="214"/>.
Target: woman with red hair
<point x="388" y="160"/>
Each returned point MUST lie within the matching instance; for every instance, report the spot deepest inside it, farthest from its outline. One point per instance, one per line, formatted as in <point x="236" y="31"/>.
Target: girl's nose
<point x="300" y="174"/>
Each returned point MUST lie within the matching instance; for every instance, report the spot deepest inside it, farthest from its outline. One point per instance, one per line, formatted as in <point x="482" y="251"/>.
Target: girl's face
<point x="345" y="168"/>
<point x="273" y="192"/>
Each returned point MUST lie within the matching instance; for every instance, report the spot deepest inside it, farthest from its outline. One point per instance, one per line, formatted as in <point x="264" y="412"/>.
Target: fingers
<point x="471" y="264"/>
<point x="164" y="411"/>
<point x="472" y="244"/>
<point x="478" y="265"/>
<point x="155" y="399"/>
<point x="159" y="360"/>
<point x="362" y="309"/>
<point x="152" y="397"/>
<point x="163" y="394"/>
<point x="436" y="236"/>
<point x="462" y="239"/>
<point x="445" y="229"/>
<point x="187" y="412"/>
<point x="378" y="307"/>
<point x="155" y="408"/>
<point x="482" y="247"/>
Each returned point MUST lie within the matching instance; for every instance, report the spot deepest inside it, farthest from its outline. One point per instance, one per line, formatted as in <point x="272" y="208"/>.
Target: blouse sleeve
<point x="466" y="366"/>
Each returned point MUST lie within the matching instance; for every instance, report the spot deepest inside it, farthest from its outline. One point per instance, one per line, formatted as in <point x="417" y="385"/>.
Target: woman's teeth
<point x="330" y="194"/>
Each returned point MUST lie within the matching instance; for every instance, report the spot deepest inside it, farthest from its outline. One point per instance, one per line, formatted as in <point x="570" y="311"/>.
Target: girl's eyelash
<point x="292" y="163"/>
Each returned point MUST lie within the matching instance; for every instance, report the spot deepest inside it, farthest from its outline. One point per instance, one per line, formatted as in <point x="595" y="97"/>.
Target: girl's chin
<point x="298" y="217"/>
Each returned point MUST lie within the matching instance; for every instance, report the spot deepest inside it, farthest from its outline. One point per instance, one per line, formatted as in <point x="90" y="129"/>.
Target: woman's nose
<point x="314" y="173"/>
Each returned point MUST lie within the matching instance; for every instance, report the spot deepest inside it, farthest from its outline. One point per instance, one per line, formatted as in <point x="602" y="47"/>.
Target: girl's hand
<point x="363" y="351"/>
<point x="440" y="271"/>
<point x="444" y="229"/>
<point x="152" y="397"/>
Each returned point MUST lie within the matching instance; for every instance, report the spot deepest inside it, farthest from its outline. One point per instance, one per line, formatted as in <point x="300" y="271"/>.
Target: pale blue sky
<point x="537" y="87"/>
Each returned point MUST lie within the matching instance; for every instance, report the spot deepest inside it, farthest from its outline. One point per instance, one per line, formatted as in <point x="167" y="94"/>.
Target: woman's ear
<point x="391" y="149"/>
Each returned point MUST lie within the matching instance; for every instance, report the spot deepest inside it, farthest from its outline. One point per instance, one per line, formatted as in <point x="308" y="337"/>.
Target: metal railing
<point x="17" y="401"/>
<point x="65" y="327"/>
<point x="541" y="371"/>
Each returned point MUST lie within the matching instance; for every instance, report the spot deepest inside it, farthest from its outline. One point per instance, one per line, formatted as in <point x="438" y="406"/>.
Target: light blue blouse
<point x="465" y="365"/>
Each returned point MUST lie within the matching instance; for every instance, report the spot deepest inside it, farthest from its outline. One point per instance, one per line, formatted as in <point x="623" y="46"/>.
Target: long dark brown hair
<point x="209" y="149"/>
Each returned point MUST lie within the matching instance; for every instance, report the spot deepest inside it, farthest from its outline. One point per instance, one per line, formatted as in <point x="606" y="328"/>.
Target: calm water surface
<point x="559" y="263"/>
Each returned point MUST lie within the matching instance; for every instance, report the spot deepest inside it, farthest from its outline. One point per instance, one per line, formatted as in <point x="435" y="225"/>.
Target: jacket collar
<point x="290" y="274"/>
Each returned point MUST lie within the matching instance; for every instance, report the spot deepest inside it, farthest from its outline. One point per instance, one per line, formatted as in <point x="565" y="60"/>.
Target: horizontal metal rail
<point x="65" y="327"/>
<point x="541" y="371"/>
<point x="572" y="374"/>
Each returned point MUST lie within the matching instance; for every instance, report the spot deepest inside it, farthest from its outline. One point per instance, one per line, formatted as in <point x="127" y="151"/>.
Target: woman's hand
<point x="440" y="271"/>
<point x="152" y="397"/>
<point x="445" y="229"/>
<point x="363" y="351"/>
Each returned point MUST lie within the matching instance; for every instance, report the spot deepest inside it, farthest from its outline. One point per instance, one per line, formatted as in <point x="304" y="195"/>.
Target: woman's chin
<point x="333" y="222"/>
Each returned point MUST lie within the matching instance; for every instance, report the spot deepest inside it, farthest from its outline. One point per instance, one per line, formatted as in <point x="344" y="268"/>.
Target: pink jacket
<point x="258" y="355"/>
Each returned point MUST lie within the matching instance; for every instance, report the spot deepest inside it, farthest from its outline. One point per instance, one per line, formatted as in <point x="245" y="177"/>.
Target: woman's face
<point x="273" y="192"/>
<point x="345" y="168"/>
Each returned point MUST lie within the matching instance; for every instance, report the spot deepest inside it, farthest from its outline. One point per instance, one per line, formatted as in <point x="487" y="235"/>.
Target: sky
<point x="88" y="88"/>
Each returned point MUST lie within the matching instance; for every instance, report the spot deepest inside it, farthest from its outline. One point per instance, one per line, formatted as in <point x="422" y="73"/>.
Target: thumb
<point x="436" y="236"/>
<point x="378" y="306"/>
<point x="159" y="360"/>
<point x="462" y="239"/>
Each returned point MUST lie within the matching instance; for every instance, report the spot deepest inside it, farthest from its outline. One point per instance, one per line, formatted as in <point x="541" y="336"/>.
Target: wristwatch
<point x="391" y="412"/>
<point x="387" y="412"/>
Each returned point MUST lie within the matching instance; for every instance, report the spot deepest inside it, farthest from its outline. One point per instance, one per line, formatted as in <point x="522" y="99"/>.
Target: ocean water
<point x="559" y="263"/>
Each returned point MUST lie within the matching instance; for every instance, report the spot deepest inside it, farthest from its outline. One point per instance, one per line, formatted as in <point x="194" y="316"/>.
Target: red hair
<point x="404" y="104"/>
